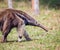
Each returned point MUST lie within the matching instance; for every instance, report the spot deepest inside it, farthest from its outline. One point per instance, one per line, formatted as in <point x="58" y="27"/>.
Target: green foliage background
<point x="49" y="3"/>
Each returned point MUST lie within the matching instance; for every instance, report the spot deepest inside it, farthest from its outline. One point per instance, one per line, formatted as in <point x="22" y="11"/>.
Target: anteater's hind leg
<point x="6" y="29"/>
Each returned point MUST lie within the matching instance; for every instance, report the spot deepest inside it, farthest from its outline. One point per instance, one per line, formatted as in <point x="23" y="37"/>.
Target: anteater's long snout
<point x="41" y="26"/>
<point x="38" y="25"/>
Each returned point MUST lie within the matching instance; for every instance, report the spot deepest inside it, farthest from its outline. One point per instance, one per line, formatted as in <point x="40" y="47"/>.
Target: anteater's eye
<point x="36" y="22"/>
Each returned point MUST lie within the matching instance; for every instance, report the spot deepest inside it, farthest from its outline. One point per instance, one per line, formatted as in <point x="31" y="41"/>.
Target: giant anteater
<point x="10" y="18"/>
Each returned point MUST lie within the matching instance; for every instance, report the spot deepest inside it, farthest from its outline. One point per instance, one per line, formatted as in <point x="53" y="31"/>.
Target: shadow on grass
<point x="21" y="41"/>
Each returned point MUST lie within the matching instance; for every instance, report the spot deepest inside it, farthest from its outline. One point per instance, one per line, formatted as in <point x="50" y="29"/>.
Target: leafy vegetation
<point x="41" y="40"/>
<point x="51" y="3"/>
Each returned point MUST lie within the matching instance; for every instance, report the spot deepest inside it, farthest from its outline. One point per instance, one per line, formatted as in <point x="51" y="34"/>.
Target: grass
<point x="41" y="40"/>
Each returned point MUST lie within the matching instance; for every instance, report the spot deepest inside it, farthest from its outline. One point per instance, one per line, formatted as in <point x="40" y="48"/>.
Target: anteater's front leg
<point x="26" y="36"/>
<point x="22" y="32"/>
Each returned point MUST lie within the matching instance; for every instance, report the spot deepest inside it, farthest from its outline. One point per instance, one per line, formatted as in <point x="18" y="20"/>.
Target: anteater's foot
<point x="3" y="41"/>
<point x="28" y="39"/>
